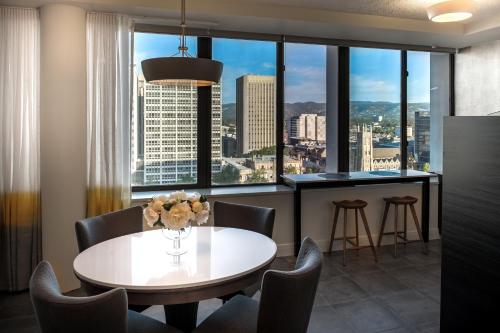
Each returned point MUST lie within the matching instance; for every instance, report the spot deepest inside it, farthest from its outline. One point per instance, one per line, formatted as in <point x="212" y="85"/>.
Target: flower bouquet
<point x="174" y="213"/>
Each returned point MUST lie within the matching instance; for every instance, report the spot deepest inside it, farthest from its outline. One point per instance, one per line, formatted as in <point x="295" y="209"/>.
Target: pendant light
<point x="182" y="67"/>
<point x="451" y="11"/>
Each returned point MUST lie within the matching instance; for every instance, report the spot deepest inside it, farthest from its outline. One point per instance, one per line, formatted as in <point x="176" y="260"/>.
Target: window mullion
<point x="204" y="163"/>
<point x="404" y="111"/>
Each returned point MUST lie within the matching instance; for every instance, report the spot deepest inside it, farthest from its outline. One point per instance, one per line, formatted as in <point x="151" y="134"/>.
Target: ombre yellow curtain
<point x="104" y="200"/>
<point x="20" y="226"/>
<point x="109" y="64"/>
<point x="20" y="236"/>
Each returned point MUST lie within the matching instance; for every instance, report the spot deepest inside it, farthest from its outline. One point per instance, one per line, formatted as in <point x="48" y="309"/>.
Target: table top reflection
<point x="140" y="261"/>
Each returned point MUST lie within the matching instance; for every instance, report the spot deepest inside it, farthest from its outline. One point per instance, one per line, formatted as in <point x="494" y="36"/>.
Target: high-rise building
<point x="422" y="138"/>
<point x="361" y="148"/>
<point x="308" y="127"/>
<point x="170" y="132"/>
<point x="255" y="112"/>
<point x="137" y="131"/>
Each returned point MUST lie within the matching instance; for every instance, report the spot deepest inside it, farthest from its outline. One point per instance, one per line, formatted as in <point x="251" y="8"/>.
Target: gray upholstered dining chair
<point x="285" y="304"/>
<point x="94" y="230"/>
<point x="257" y="219"/>
<point x="231" y="215"/>
<point x="102" y="313"/>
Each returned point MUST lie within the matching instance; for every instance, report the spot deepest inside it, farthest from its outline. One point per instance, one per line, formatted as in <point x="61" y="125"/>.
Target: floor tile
<point x="414" y="308"/>
<point x="368" y="316"/>
<point x="416" y="277"/>
<point x="378" y="283"/>
<point x="341" y="289"/>
<point x="326" y="319"/>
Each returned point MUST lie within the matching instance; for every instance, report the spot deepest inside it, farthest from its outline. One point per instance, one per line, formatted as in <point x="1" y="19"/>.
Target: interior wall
<point x="477" y="80"/>
<point x="62" y="134"/>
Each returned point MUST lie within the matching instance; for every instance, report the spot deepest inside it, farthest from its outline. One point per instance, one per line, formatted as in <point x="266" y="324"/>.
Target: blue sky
<point x="374" y="73"/>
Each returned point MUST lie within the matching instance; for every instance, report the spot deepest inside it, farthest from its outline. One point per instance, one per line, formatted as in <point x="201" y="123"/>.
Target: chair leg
<point x="357" y="229"/>
<point x="368" y="233"/>
<point x="405" y="233"/>
<point x="396" y="230"/>
<point x="345" y="235"/>
<point x="382" y="226"/>
<point x="335" y="219"/>
<point x="417" y="225"/>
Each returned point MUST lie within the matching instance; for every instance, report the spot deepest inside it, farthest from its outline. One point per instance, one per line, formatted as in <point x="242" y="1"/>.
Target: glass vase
<point x="177" y="236"/>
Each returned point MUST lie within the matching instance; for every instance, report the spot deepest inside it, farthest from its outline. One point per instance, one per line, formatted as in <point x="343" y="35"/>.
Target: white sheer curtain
<point x="20" y="226"/>
<point x="109" y="61"/>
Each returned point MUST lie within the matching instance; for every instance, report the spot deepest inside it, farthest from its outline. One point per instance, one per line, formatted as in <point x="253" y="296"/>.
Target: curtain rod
<point x="207" y="32"/>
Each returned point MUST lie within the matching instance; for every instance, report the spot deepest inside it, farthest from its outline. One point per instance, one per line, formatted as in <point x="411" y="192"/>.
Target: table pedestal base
<point x="182" y="316"/>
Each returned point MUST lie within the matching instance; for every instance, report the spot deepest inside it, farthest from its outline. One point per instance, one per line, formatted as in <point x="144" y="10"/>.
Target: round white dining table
<point x="219" y="261"/>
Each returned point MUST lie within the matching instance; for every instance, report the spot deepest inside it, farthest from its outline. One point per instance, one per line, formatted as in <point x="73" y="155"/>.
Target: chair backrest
<point x="258" y="219"/>
<point x="97" y="229"/>
<point x="287" y="297"/>
<point x="57" y="313"/>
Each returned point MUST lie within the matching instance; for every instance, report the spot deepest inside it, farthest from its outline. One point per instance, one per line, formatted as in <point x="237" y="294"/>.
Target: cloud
<point x="366" y="89"/>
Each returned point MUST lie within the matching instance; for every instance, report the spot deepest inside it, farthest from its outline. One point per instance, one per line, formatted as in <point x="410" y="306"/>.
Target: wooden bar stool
<point x="357" y="205"/>
<point x="397" y="201"/>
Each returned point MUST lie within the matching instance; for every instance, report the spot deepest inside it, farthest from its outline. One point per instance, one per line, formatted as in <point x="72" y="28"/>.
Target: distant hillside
<point x="362" y="111"/>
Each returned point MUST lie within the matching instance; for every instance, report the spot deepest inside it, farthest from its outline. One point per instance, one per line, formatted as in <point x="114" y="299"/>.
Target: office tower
<point x="361" y="148"/>
<point x="255" y="112"/>
<point x="170" y="132"/>
<point x="137" y="131"/>
<point x="422" y="138"/>
<point x="308" y="127"/>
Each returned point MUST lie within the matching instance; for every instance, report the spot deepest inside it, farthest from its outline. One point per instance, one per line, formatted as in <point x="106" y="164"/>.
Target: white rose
<point x="195" y="197"/>
<point x="157" y="204"/>
<point x="179" y="196"/>
<point x="151" y="216"/>
<point x="178" y="216"/>
<point x="162" y="198"/>
<point x="206" y="206"/>
<point x="202" y="217"/>
<point x="197" y="206"/>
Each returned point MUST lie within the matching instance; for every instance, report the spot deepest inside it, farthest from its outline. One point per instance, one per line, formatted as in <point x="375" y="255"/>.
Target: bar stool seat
<point x="351" y="204"/>
<point x="406" y="201"/>
<point x="358" y="206"/>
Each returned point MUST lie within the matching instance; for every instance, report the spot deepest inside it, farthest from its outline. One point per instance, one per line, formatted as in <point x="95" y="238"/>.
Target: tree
<point x="291" y="169"/>
<point x="228" y="175"/>
<point x="257" y="176"/>
<point x="186" y="179"/>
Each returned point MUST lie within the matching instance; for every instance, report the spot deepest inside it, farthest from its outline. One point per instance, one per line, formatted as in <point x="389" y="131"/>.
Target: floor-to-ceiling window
<point x="428" y="103"/>
<point x="244" y="139"/>
<point x="305" y="108"/>
<point x="164" y="119"/>
<point x="375" y="109"/>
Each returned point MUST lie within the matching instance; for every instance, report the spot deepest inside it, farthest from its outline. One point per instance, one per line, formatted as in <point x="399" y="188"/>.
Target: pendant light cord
<point x="182" y="47"/>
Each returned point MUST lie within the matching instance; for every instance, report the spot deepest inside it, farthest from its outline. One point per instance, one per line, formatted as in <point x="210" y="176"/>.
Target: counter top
<point x="354" y="176"/>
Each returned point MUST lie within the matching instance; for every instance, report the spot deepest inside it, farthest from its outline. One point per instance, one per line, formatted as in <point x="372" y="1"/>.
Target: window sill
<point x="234" y="191"/>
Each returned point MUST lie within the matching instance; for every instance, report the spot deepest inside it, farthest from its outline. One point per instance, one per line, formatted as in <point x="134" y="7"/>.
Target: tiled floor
<point x="393" y="295"/>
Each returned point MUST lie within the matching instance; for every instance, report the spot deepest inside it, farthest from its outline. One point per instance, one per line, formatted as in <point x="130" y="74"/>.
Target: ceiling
<point x="409" y="9"/>
<point x="393" y="21"/>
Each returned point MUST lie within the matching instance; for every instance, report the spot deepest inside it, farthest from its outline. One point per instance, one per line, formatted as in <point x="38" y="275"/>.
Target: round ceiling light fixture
<point x="451" y="11"/>
<point x="182" y="68"/>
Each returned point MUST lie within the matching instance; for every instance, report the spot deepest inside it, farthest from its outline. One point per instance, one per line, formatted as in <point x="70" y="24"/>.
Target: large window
<point x="280" y="107"/>
<point x="164" y="120"/>
<point x="305" y="108"/>
<point x="428" y="102"/>
<point x="244" y="113"/>
<point x="375" y="109"/>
